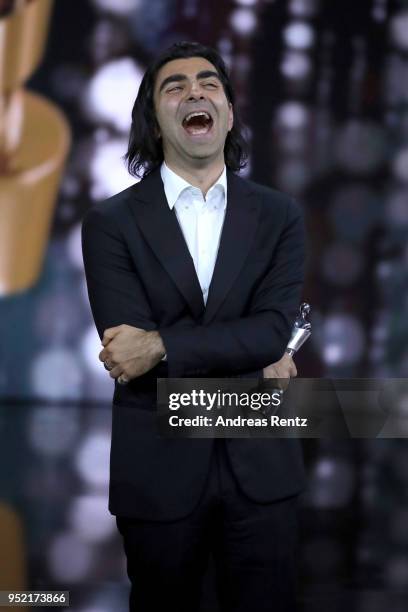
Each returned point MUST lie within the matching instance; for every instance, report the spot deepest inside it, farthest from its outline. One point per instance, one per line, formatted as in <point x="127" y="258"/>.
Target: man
<point x="196" y="272"/>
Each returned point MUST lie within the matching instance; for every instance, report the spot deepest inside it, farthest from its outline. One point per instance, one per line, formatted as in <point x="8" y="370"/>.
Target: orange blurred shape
<point x="12" y="553"/>
<point x="34" y="143"/>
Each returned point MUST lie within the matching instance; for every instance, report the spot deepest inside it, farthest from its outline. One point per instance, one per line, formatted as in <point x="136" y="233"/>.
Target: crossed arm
<point x="132" y="343"/>
<point x="130" y="352"/>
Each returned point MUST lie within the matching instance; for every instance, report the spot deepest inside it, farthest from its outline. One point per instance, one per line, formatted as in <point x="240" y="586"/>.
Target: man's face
<point x="192" y="111"/>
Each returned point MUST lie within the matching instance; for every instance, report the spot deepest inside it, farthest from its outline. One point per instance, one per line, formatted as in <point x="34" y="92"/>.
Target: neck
<point x="202" y="177"/>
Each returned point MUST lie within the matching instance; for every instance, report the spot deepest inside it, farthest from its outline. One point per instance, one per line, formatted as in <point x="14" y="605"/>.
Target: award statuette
<point x="301" y="330"/>
<point x="34" y="143"/>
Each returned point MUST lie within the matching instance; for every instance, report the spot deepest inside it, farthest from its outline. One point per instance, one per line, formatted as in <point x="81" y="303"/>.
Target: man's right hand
<point x="130" y="351"/>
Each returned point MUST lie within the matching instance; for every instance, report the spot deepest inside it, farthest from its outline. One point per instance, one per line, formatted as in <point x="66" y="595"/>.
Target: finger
<point x="105" y="355"/>
<point x="116" y="371"/>
<point x="293" y="371"/>
<point x="109" y="334"/>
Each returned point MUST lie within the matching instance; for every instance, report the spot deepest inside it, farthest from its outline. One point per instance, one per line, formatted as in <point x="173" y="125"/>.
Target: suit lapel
<point x="162" y="231"/>
<point x="241" y="220"/>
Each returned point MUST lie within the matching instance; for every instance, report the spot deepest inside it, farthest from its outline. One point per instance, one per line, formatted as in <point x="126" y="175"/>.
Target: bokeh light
<point x="53" y="430"/>
<point x="111" y="93"/>
<point x="360" y="147"/>
<point x="303" y="8"/>
<point x="108" y="172"/>
<point x="92" y="460"/>
<point x="399" y="30"/>
<point x="331" y="484"/>
<point x="119" y="7"/>
<point x="88" y="518"/>
<point x="400" y="165"/>
<point x="243" y="21"/>
<point x="69" y="558"/>
<point x="57" y="373"/>
<point x="343" y="340"/>
<point x="298" y="35"/>
<point x="295" y="65"/>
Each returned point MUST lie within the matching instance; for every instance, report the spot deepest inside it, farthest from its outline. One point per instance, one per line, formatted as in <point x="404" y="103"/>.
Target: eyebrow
<point x="204" y="74"/>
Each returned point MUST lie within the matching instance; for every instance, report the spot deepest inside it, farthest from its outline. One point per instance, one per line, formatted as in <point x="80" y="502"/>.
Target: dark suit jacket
<point x="139" y="272"/>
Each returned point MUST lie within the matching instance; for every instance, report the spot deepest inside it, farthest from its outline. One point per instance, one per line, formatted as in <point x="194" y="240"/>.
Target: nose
<point x="195" y="91"/>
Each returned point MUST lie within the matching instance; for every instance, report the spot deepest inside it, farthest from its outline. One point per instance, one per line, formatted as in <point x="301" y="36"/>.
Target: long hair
<point x="145" y="151"/>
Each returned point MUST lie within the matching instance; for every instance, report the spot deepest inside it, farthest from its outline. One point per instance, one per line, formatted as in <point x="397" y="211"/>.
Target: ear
<point x="230" y="116"/>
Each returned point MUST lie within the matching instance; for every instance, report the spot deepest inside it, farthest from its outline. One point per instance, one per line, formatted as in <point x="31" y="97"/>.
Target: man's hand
<point x="130" y="351"/>
<point x="284" y="368"/>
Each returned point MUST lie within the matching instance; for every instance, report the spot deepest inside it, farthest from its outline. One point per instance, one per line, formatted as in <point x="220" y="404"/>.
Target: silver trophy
<point x="301" y="330"/>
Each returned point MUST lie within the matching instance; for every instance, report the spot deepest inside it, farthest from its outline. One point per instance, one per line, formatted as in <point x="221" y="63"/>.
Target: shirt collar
<point x="175" y="184"/>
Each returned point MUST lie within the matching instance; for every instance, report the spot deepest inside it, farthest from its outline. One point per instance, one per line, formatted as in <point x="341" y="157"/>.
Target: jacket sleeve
<point x="115" y="292"/>
<point x="254" y="341"/>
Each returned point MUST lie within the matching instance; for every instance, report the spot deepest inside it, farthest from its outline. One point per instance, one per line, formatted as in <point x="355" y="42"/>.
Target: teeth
<point x="197" y="114"/>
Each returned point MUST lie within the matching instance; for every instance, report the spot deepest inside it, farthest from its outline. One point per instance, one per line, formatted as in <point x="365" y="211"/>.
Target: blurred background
<point x="322" y="88"/>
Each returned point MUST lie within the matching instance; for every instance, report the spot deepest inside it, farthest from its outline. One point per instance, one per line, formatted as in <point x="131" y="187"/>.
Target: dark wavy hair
<point x="145" y="151"/>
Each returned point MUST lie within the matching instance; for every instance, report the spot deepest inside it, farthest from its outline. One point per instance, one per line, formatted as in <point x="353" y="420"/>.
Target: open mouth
<point x="198" y="122"/>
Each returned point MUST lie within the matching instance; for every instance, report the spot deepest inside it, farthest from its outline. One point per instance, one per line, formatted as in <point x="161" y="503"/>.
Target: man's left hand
<point x="282" y="370"/>
<point x="130" y="351"/>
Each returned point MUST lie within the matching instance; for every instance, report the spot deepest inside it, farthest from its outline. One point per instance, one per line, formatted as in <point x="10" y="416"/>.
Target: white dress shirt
<point x="200" y="219"/>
